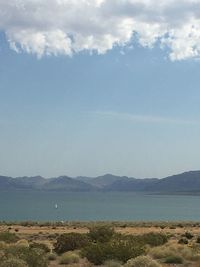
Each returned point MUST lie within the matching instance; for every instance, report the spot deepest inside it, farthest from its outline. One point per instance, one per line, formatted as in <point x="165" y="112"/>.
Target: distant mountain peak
<point x="184" y="182"/>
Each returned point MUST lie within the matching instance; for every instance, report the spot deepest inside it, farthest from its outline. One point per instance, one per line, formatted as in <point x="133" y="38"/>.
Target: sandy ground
<point x="39" y="230"/>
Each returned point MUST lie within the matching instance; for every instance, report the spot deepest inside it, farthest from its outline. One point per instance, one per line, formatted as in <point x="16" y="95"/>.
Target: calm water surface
<point x="40" y="206"/>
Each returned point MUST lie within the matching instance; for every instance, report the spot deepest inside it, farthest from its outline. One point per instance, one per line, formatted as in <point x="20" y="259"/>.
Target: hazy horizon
<point x="99" y="175"/>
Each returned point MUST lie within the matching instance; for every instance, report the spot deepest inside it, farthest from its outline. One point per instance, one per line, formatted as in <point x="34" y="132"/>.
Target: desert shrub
<point x="2" y="255"/>
<point x="161" y="252"/>
<point x="95" y="253"/>
<point x="174" y="251"/>
<point x="3" y="245"/>
<point x="70" y="242"/>
<point x="195" y="247"/>
<point x="142" y="261"/>
<point x="8" y="237"/>
<point x="13" y="262"/>
<point x="198" y="239"/>
<point x="117" y="249"/>
<point x="69" y="258"/>
<point x="102" y="233"/>
<point x="33" y="257"/>
<point x="183" y="241"/>
<point x="22" y="242"/>
<point x="51" y="256"/>
<point x="112" y="263"/>
<point x="188" y="235"/>
<point x="174" y="259"/>
<point x="41" y="246"/>
<point x="180" y="225"/>
<point x="188" y="253"/>
<point x="153" y="239"/>
<point x="162" y="227"/>
<point x="36" y="258"/>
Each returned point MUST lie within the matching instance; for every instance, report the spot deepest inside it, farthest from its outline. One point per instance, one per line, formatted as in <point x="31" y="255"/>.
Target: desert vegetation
<point x="100" y="244"/>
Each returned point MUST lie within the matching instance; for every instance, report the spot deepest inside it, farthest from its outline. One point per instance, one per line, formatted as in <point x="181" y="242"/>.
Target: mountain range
<point x="184" y="182"/>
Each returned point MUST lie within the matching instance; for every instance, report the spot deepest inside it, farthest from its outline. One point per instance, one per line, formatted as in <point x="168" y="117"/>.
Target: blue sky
<point x="131" y="110"/>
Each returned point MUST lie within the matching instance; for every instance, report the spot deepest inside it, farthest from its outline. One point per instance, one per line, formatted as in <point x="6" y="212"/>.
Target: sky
<point x="89" y="87"/>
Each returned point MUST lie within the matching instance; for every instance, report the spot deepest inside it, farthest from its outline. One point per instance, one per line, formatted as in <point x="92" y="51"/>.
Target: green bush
<point x="41" y="246"/>
<point x="69" y="258"/>
<point x="101" y="234"/>
<point x="142" y="261"/>
<point x="153" y="239"/>
<point x="8" y="237"/>
<point x="180" y="225"/>
<point x="183" y="241"/>
<point x="70" y="242"/>
<point x="33" y="257"/>
<point x="36" y="258"/>
<point x="116" y="249"/>
<point x="51" y="256"/>
<point x="13" y="262"/>
<point x="188" y="235"/>
<point x="174" y="259"/>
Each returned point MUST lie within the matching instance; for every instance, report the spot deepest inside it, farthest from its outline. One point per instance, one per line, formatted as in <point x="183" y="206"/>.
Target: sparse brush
<point x="153" y="239"/>
<point x="69" y="258"/>
<point x="174" y="260"/>
<point x="102" y="233"/>
<point x="188" y="235"/>
<point x="112" y="263"/>
<point x="142" y="261"/>
<point x="41" y="246"/>
<point x="23" y="243"/>
<point x="118" y="248"/>
<point x="188" y="253"/>
<point x="2" y="255"/>
<point x="8" y="237"/>
<point x="51" y="256"/>
<point x="183" y="241"/>
<point x="71" y="241"/>
<point x="161" y="252"/>
<point x="3" y="245"/>
<point x="174" y="251"/>
<point x="13" y="262"/>
<point x="32" y="257"/>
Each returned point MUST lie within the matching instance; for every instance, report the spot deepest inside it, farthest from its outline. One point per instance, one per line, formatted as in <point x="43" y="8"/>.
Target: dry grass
<point x="39" y="230"/>
<point x="188" y="254"/>
<point x="47" y="234"/>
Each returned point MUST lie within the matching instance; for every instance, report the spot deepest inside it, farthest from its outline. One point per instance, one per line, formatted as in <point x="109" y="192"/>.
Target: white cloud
<point x="53" y="27"/>
<point x="135" y="118"/>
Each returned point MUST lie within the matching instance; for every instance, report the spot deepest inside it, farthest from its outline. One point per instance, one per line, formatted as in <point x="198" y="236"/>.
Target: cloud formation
<point x="54" y="27"/>
<point x="135" y="118"/>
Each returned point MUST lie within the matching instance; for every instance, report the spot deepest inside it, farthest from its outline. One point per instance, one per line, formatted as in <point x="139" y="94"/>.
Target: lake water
<point x="40" y="206"/>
